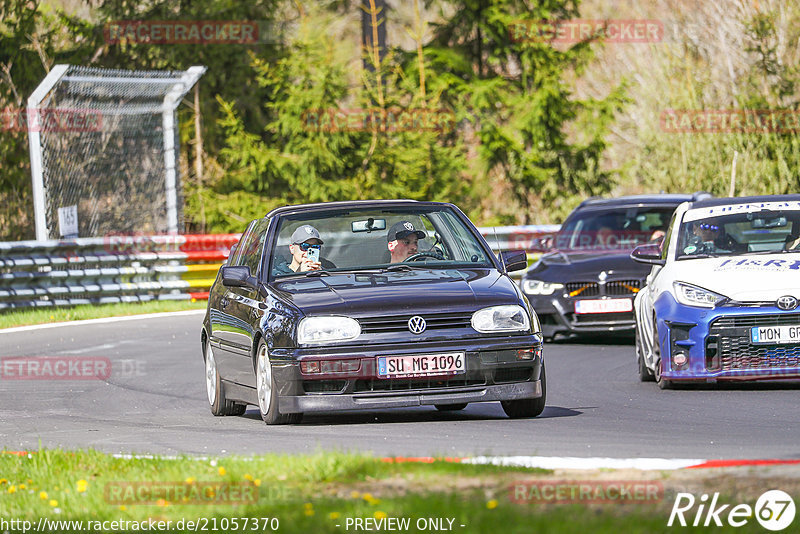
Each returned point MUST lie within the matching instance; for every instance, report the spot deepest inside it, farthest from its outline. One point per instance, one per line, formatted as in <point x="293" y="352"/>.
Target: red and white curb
<point x="563" y="462"/>
<point x="531" y="462"/>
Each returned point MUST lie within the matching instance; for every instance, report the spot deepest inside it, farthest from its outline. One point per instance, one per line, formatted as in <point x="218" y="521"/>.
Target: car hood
<point x="417" y="291"/>
<point x="582" y="265"/>
<point x="745" y="277"/>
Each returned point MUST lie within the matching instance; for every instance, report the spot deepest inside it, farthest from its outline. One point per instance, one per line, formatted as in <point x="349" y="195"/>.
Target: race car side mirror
<point x="650" y="253"/>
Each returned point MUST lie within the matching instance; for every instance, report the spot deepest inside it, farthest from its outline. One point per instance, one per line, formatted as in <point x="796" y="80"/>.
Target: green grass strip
<point x="323" y="492"/>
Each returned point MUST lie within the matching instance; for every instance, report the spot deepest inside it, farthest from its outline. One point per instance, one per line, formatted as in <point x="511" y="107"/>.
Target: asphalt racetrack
<point x="154" y="401"/>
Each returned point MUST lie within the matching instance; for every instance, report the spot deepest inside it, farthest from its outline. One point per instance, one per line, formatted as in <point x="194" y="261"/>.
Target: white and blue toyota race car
<point x="721" y="301"/>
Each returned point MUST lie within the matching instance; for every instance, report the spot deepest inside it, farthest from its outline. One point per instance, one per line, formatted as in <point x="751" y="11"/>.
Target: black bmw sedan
<point x="367" y="305"/>
<point x="586" y="281"/>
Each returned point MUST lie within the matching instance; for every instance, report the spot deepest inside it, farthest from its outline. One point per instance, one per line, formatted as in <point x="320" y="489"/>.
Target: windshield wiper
<point x="318" y="273"/>
<point x="400" y="267"/>
<point x="704" y="255"/>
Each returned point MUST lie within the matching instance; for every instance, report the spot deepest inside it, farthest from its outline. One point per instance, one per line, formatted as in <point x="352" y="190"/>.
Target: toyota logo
<point x="787" y="302"/>
<point x="416" y="324"/>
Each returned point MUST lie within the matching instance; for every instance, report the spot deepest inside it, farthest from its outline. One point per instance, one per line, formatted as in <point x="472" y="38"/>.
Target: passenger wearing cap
<point x="403" y="239"/>
<point x="304" y="238"/>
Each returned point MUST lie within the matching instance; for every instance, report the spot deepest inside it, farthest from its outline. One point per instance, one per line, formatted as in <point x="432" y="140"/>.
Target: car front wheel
<point x="645" y="374"/>
<point x="267" y="391"/>
<point x="662" y="382"/>
<point x="214" y="389"/>
<point x="527" y="407"/>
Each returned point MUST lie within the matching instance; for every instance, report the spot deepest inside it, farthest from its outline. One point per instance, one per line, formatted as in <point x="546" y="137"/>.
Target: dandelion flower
<point x="190" y="480"/>
<point x="334" y="515"/>
<point x="12" y="489"/>
<point x="123" y="507"/>
<point x="491" y="505"/>
<point x="23" y="486"/>
<point x="82" y="485"/>
<point x="308" y="509"/>
<point x="380" y="515"/>
<point x="43" y="495"/>
<point x="222" y="471"/>
<point x="53" y="503"/>
<point x="3" y="481"/>
<point x="257" y="482"/>
<point x="248" y="478"/>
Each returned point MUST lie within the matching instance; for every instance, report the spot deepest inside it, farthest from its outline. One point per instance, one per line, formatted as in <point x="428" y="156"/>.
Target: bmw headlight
<point x="510" y="318"/>
<point x="690" y="295"/>
<point x="539" y="287"/>
<point x="327" y="329"/>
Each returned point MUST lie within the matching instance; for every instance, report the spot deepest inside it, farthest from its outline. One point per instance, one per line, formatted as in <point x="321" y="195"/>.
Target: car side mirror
<point x="650" y="253"/>
<point x="238" y="276"/>
<point x="514" y="260"/>
<point x="543" y="244"/>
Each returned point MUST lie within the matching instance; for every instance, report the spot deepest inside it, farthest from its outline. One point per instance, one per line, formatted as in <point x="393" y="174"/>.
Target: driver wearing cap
<point x="403" y="239"/>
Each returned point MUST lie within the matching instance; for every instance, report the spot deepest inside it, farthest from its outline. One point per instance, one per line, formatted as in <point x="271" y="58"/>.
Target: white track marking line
<point x="101" y="321"/>
<point x="548" y="462"/>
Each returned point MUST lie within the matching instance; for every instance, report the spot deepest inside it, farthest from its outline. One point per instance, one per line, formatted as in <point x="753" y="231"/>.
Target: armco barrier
<point x="138" y="268"/>
<point x="110" y="269"/>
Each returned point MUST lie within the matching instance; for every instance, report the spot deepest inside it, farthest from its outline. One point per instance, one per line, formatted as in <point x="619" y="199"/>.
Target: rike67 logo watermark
<point x="774" y="510"/>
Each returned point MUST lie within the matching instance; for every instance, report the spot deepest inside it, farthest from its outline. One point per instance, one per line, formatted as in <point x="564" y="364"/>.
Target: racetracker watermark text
<point x="68" y="368"/>
<point x="156" y="492"/>
<point x="576" y="30"/>
<point x="767" y="121"/>
<point x="377" y="119"/>
<point x="586" y="491"/>
<point x="50" y="120"/>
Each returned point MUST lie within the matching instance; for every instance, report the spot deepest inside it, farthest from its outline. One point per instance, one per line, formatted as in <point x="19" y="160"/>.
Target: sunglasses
<point x="305" y="246"/>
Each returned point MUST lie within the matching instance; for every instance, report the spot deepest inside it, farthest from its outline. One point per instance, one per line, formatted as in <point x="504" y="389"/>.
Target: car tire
<point x="662" y="382"/>
<point x="267" y="391"/>
<point x="645" y="374"/>
<point x="215" y="390"/>
<point x="525" y="408"/>
<point x="450" y="407"/>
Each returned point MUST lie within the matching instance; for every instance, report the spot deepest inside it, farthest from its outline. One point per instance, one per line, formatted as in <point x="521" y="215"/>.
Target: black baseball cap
<point x="304" y="233"/>
<point x="403" y="229"/>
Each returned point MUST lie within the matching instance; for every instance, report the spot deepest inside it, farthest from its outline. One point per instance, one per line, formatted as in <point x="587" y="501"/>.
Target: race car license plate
<point x="421" y="365"/>
<point x="603" y="306"/>
<point x="775" y="334"/>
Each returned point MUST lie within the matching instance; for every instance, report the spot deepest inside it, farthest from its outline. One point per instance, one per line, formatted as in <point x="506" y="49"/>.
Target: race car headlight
<point x="327" y="329"/>
<point x="511" y="318"/>
<point x="697" y="296"/>
<point x="539" y="287"/>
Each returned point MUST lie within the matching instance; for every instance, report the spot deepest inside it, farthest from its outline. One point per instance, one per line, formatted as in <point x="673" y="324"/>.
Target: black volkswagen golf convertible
<point x="366" y="305"/>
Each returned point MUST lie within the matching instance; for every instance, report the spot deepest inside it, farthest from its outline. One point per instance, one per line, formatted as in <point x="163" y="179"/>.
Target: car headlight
<point x="696" y="296"/>
<point x="538" y="287"/>
<point x="327" y="329"/>
<point x="510" y="318"/>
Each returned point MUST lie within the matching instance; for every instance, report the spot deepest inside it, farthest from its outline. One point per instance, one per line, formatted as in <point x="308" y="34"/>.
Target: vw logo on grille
<point x="417" y="325"/>
<point x="787" y="302"/>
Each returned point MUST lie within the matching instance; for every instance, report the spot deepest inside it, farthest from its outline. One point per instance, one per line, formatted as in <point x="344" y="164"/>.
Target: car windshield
<point x="739" y="229"/>
<point x="359" y="239"/>
<point x="613" y="229"/>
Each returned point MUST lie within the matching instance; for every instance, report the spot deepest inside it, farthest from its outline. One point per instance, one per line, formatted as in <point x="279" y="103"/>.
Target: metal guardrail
<point x="122" y="268"/>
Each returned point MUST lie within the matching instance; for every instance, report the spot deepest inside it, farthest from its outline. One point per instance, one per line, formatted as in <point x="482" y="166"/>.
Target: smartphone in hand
<point x="312" y="254"/>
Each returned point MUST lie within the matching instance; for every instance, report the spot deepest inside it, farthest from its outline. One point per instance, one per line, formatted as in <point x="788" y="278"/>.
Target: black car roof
<point x="353" y="204"/>
<point x="711" y="202"/>
<point x="655" y="199"/>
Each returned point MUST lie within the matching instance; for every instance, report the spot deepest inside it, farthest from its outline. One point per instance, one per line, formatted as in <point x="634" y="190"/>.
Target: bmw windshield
<point x="396" y="238"/>
<point x="618" y="229"/>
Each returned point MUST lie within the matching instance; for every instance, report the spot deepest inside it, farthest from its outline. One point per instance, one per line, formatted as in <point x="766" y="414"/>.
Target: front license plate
<point x="775" y="334"/>
<point x="421" y="365"/>
<point x="603" y="306"/>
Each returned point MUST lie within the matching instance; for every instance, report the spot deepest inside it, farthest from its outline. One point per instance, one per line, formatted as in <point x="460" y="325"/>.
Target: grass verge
<point x="293" y="493"/>
<point x="10" y="319"/>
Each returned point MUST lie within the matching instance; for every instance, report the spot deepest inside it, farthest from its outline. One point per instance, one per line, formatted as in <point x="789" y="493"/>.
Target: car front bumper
<point x="718" y="345"/>
<point x="557" y="315"/>
<point x="496" y="370"/>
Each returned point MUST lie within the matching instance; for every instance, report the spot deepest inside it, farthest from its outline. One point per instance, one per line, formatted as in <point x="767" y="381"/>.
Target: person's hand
<point x="309" y="265"/>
